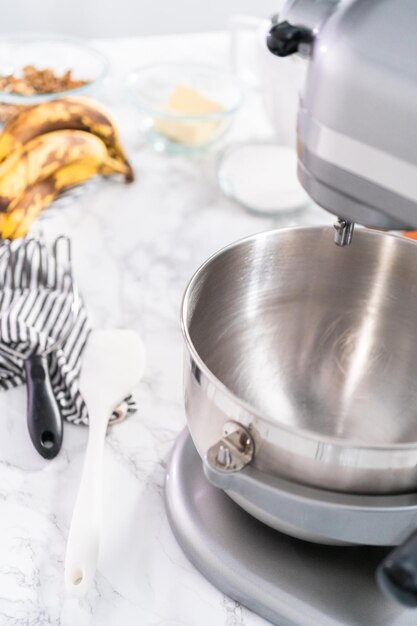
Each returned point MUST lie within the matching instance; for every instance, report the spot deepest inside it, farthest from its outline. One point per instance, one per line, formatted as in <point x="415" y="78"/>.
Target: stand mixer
<point x="357" y="148"/>
<point x="311" y="472"/>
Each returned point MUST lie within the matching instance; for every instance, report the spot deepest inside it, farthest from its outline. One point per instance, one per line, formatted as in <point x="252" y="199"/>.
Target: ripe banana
<point x="64" y="114"/>
<point x="24" y="210"/>
<point x="42" y="156"/>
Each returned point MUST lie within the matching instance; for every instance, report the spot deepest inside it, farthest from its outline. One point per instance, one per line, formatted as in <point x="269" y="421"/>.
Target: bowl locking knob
<point x="234" y="451"/>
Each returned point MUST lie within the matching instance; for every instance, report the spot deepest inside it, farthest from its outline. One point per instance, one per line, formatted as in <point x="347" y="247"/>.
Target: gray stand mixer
<point x="300" y="384"/>
<point x="356" y="126"/>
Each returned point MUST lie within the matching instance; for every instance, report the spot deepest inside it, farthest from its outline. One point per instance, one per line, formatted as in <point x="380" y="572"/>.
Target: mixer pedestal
<point x="287" y="581"/>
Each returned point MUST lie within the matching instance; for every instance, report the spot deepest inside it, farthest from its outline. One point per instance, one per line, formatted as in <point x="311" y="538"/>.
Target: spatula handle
<point x="84" y="535"/>
<point x="43" y="415"/>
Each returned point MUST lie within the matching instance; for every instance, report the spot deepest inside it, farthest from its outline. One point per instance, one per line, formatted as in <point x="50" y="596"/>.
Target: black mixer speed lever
<point x="285" y="39"/>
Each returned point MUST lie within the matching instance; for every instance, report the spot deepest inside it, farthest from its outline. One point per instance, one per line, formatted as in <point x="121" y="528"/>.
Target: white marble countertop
<point x="135" y="248"/>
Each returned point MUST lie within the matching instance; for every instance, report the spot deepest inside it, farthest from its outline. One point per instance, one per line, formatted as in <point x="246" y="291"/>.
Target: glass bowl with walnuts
<point x="35" y="68"/>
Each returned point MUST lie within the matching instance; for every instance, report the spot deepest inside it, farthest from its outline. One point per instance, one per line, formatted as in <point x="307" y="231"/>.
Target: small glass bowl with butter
<point x="184" y="107"/>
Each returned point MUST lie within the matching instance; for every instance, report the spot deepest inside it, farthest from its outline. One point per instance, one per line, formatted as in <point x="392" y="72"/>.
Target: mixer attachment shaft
<point x="343" y="232"/>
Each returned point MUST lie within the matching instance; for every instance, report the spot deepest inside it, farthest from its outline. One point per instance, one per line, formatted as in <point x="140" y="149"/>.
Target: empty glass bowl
<point x="184" y="107"/>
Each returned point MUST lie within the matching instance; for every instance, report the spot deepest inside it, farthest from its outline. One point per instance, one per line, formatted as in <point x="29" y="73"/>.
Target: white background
<point x="105" y="18"/>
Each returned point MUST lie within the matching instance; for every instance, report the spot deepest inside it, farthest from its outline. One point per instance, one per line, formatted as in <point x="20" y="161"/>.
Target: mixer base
<point x="287" y="581"/>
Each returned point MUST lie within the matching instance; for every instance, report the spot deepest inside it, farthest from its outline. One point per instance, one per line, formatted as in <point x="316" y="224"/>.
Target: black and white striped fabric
<point x="42" y="312"/>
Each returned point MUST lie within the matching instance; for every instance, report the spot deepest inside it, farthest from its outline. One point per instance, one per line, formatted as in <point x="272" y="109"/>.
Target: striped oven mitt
<point x="42" y="312"/>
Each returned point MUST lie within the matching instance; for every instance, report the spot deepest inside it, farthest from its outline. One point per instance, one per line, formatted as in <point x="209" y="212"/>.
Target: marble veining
<point x="135" y="247"/>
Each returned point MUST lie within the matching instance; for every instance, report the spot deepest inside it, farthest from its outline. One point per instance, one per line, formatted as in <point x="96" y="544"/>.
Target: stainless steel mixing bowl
<point x="312" y="348"/>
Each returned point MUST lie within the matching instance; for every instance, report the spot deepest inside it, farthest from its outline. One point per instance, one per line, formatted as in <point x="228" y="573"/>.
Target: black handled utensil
<point x="41" y="315"/>
<point x="43" y="415"/>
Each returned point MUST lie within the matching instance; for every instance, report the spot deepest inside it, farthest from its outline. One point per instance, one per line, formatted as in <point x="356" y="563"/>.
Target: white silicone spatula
<point x="113" y="363"/>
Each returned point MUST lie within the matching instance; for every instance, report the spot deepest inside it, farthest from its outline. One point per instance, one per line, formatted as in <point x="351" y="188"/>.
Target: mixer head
<point x="357" y="120"/>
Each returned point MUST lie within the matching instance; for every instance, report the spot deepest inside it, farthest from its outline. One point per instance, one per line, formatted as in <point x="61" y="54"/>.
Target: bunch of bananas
<point x="49" y="148"/>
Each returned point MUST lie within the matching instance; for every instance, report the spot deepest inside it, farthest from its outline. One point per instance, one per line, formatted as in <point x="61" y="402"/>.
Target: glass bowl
<point x="55" y="52"/>
<point x="184" y="107"/>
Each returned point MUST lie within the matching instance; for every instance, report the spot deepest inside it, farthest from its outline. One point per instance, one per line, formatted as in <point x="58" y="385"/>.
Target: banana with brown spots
<point x="25" y="209"/>
<point x="64" y="114"/>
<point x="42" y="156"/>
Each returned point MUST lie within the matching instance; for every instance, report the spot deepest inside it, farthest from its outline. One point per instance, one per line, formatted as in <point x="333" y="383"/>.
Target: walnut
<point x="32" y="80"/>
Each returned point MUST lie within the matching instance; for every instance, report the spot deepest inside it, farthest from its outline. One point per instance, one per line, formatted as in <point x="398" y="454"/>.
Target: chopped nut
<point x="37" y="81"/>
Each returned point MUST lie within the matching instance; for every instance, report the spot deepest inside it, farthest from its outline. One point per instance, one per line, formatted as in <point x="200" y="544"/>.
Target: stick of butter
<point x="194" y="133"/>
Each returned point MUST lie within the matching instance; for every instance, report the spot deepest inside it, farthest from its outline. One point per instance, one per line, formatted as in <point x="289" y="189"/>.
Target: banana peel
<point x="49" y="148"/>
<point x="76" y="113"/>
<point x="44" y="155"/>
<point x="24" y="210"/>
